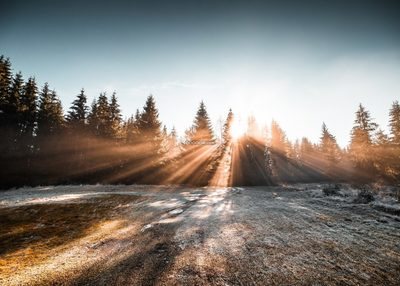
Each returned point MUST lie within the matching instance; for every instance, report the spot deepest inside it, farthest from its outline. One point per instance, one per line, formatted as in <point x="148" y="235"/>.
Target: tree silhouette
<point x="328" y="145"/>
<point x="149" y="127"/>
<point x="115" y="117"/>
<point x="201" y="130"/>
<point x="77" y="115"/>
<point x="28" y="114"/>
<point x="361" y="138"/>
<point x="50" y="114"/>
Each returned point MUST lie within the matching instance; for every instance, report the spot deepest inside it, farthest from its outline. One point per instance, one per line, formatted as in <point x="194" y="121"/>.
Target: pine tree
<point x="5" y="81"/>
<point x="28" y="112"/>
<point x="227" y="132"/>
<point x="394" y="123"/>
<point x="103" y="117"/>
<point x="149" y="126"/>
<point x="50" y="114"/>
<point x="14" y="97"/>
<point x="328" y="145"/>
<point x="361" y="139"/>
<point x="5" y="84"/>
<point x="201" y="131"/>
<point x="77" y="115"/>
<point x="11" y="109"/>
<point x="115" y="117"/>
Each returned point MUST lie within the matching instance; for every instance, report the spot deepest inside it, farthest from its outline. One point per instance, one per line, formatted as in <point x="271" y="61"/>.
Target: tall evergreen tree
<point x="5" y="81"/>
<point x="103" y="117"/>
<point x="201" y="131"/>
<point x="28" y="112"/>
<point x="394" y="123"/>
<point x="115" y="117"/>
<point x="50" y="113"/>
<point x="77" y="115"/>
<point x="361" y="138"/>
<point x="227" y="129"/>
<point x="14" y="97"/>
<point x="149" y="126"/>
<point x="328" y="145"/>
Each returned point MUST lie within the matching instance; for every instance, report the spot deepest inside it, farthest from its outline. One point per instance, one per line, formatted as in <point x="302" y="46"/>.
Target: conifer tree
<point x="149" y="126"/>
<point x="5" y="81"/>
<point x="14" y="96"/>
<point x="103" y="117"/>
<point x="328" y="145"/>
<point x="394" y="123"/>
<point x="201" y="130"/>
<point x="361" y="138"/>
<point x="28" y="112"/>
<point x="77" y="115"/>
<point x="50" y="113"/>
<point x="5" y="84"/>
<point x="227" y="132"/>
<point x="115" y="117"/>
<point x="11" y="109"/>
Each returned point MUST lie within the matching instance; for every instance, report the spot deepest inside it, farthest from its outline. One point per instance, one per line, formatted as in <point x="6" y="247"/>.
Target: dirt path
<point x="144" y="235"/>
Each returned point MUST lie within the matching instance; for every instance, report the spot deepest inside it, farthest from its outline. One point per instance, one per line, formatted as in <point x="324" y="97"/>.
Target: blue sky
<point x="300" y="63"/>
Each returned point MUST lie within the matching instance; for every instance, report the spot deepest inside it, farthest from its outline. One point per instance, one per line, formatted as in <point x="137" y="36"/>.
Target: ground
<point x="154" y="235"/>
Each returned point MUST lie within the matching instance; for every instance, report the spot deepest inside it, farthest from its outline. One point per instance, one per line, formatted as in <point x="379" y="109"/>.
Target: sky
<point x="298" y="62"/>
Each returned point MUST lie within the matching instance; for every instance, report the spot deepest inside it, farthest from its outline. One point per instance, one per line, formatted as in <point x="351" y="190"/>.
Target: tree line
<point x="42" y="144"/>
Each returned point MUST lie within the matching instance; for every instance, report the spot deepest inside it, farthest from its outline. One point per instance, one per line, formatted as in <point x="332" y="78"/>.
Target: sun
<point x="238" y="129"/>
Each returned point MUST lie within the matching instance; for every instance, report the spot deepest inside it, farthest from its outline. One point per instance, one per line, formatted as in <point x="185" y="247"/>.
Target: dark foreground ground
<point x="143" y="235"/>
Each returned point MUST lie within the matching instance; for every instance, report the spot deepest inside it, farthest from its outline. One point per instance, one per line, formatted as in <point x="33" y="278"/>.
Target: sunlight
<point x="238" y="128"/>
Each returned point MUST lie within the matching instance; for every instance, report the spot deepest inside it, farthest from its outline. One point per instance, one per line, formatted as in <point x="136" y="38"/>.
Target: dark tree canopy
<point x="50" y="113"/>
<point x="77" y="115"/>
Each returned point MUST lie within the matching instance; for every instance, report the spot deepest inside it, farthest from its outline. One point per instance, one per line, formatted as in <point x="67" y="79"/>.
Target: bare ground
<point x="144" y="235"/>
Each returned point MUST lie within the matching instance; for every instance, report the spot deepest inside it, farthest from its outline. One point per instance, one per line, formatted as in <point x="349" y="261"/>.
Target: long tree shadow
<point x="46" y="226"/>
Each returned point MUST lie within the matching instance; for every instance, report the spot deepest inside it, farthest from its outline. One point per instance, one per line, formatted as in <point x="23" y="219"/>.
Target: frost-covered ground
<point x="146" y="235"/>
